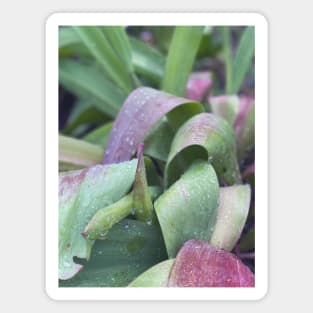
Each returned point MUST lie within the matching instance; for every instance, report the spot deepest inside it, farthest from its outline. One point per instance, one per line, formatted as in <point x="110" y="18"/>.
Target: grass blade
<point x="118" y="39"/>
<point x="243" y="58"/>
<point x="148" y="62"/>
<point x="102" y="51"/>
<point x="228" y="58"/>
<point x="87" y="82"/>
<point x="181" y="56"/>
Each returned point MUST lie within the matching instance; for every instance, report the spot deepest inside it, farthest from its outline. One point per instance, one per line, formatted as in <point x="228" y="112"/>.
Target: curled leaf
<point x="231" y="216"/>
<point x="204" y="136"/>
<point x="143" y="108"/>
<point x="187" y="210"/>
<point x="81" y="194"/>
<point x="156" y="276"/>
<point x="199" y="264"/>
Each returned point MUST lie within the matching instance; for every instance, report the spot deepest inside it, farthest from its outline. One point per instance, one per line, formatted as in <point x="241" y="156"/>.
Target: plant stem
<point x="105" y="218"/>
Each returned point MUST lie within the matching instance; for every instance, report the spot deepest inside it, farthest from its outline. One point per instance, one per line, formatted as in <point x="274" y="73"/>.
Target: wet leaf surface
<point x="187" y="210"/>
<point x="81" y="194"/>
<point x="143" y="108"/>
<point x="199" y="264"/>
<point x="130" y="249"/>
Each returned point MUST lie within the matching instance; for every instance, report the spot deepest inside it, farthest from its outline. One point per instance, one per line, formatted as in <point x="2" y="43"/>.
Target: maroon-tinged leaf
<point x="199" y="264"/>
<point x="143" y="108"/>
<point x="81" y="194"/>
<point x="199" y="85"/>
<point x="231" y="216"/>
<point x="239" y="112"/>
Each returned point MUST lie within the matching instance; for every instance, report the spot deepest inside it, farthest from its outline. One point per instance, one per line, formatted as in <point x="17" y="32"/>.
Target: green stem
<point x="105" y="218"/>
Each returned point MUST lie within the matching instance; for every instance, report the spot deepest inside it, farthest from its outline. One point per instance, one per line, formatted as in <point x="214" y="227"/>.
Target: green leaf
<point x="228" y="58"/>
<point x="78" y="153"/>
<point x="102" y="51"/>
<point x="142" y="202"/>
<point x="245" y="133"/>
<point x="83" y="114"/>
<point x="100" y="135"/>
<point x="247" y="241"/>
<point x="81" y="194"/>
<point x="187" y="210"/>
<point x="204" y="136"/>
<point x="180" y="59"/>
<point x="164" y="35"/>
<point x="243" y="59"/>
<point x="117" y="37"/>
<point x="130" y="249"/>
<point x="231" y="216"/>
<point x="70" y="43"/>
<point x="158" y="143"/>
<point x="147" y="61"/>
<point x="156" y="276"/>
<point x="87" y="82"/>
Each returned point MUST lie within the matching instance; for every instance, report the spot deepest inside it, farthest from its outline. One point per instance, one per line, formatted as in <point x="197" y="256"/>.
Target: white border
<point x="261" y="160"/>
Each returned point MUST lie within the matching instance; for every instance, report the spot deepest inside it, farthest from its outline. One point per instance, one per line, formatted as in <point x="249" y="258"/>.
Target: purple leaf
<point x="143" y="108"/>
<point x="199" y="264"/>
<point x="199" y="85"/>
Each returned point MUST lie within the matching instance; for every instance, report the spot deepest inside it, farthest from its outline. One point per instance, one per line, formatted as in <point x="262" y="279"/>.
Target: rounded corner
<point x="51" y="294"/>
<point x="262" y="293"/>
<point x="52" y="19"/>
<point x="261" y="18"/>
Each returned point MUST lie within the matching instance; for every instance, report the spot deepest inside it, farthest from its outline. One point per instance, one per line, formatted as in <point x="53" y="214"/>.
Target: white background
<point x="22" y="155"/>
